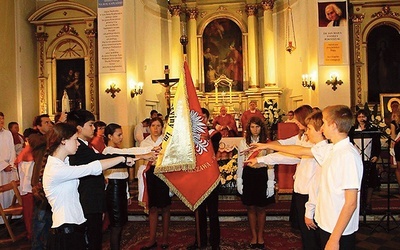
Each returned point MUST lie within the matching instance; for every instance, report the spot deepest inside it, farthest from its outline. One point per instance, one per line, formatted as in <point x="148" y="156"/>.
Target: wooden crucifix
<point x="167" y="83"/>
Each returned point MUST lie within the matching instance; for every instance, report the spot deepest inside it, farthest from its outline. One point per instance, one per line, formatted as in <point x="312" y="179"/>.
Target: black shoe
<point x="164" y="246"/>
<point x="260" y="246"/>
<point x="253" y="246"/>
<point x="154" y="246"/>
<point x="215" y="248"/>
<point x="192" y="247"/>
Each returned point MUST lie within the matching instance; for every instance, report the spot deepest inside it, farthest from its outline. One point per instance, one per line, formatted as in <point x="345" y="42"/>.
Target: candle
<point x="216" y="93"/>
<point x="230" y="93"/>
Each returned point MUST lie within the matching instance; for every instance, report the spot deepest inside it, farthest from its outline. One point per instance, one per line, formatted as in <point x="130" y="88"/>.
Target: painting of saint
<point x="222" y="53"/>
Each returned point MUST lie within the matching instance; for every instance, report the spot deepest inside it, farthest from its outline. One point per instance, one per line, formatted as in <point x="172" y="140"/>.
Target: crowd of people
<point x="82" y="159"/>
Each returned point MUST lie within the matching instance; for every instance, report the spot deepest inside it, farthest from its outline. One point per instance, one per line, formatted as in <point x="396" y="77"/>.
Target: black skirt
<point x="157" y="190"/>
<point x="117" y="202"/>
<point x="255" y="187"/>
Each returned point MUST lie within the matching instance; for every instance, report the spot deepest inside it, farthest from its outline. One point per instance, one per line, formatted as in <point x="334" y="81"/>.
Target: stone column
<point x="192" y="46"/>
<point x="176" y="47"/>
<point x="361" y="89"/>
<point x="268" y="44"/>
<point x="251" y="11"/>
<point x="90" y="100"/>
<point x="41" y="38"/>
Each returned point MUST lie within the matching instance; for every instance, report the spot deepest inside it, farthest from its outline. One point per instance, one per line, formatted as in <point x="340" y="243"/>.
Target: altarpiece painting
<point x="222" y="53"/>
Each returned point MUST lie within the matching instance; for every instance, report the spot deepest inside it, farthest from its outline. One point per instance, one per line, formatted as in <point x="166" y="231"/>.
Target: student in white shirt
<point x="60" y="184"/>
<point x="158" y="191"/>
<point x="117" y="191"/>
<point x="337" y="209"/>
<point x="306" y="181"/>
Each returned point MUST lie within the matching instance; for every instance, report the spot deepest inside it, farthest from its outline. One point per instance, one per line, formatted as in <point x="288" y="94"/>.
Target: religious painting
<point x="388" y="102"/>
<point x="332" y="14"/>
<point x="383" y="53"/>
<point x="222" y="53"/>
<point x="70" y="84"/>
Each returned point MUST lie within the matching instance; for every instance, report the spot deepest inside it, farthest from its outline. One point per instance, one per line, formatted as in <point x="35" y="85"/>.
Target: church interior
<point x="237" y="51"/>
<point x="121" y="59"/>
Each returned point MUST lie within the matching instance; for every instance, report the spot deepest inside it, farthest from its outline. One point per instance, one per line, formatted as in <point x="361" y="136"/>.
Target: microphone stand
<point x="388" y="213"/>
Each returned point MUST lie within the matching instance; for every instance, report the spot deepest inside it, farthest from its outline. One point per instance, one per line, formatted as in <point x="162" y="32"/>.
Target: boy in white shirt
<point x="337" y="209"/>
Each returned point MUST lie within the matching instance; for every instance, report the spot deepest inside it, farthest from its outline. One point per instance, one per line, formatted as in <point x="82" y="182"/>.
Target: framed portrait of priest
<point x="388" y="104"/>
<point x="70" y="84"/>
<point x="222" y="53"/>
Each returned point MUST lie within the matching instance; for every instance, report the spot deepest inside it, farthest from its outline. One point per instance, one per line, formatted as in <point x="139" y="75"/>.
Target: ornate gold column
<point x="91" y="87"/>
<point x="268" y="44"/>
<point x="41" y="37"/>
<point x="176" y="47"/>
<point x="251" y="11"/>
<point x="192" y="45"/>
<point x="357" y="19"/>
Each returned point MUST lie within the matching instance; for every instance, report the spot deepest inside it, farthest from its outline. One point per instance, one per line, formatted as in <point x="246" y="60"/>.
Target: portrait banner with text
<point x="187" y="162"/>
<point x="111" y="36"/>
<point x="333" y="32"/>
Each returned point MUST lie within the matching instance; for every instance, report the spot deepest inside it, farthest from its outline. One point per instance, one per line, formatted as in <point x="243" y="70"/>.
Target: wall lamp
<point x="334" y="81"/>
<point x="307" y="81"/>
<point x="113" y="89"/>
<point x="137" y="89"/>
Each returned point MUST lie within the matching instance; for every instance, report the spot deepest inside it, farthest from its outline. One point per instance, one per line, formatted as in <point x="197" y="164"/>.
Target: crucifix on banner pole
<point x="167" y="83"/>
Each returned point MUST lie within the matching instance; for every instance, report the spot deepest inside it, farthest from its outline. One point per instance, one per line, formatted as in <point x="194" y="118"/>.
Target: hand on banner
<point x="251" y="163"/>
<point x="239" y="185"/>
<point x="129" y="161"/>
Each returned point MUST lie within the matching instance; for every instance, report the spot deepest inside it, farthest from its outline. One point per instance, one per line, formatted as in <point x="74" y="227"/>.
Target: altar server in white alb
<point x="8" y="172"/>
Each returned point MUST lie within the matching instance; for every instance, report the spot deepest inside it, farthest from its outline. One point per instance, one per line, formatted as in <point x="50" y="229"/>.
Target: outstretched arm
<point x="289" y="149"/>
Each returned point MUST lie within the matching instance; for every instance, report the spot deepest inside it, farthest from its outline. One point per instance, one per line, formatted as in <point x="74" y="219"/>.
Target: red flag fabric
<point x="187" y="163"/>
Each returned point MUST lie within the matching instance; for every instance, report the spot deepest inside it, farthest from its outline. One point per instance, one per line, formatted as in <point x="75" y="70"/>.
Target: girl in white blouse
<point x="117" y="192"/>
<point x="60" y="184"/>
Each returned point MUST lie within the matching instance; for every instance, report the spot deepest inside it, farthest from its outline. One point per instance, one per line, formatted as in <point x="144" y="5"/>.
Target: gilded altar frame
<point x="65" y="31"/>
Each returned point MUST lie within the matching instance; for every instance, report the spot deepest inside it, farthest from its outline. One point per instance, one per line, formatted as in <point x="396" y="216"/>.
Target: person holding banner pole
<point x="158" y="191"/>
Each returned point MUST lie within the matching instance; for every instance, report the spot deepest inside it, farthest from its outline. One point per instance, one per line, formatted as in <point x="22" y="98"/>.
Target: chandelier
<point x="290" y="42"/>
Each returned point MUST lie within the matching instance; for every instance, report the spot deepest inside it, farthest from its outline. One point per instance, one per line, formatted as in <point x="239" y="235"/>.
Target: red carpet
<point x="235" y="207"/>
<point x="234" y="235"/>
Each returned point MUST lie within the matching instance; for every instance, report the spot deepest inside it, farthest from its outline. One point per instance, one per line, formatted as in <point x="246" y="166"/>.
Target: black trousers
<point x="310" y="238"/>
<point x="66" y="237"/>
<point x="94" y="233"/>
<point x="347" y="242"/>
<point x="210" y="204"/>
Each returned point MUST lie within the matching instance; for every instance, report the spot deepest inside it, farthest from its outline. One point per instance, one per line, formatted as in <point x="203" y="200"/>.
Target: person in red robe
<point x="225" y="123"/>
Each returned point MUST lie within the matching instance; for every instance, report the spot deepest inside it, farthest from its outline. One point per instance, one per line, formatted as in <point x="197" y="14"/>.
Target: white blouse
<point x="60" y="184"/>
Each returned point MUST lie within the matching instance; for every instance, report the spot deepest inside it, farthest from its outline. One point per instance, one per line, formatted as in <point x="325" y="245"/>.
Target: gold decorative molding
<point x="174" y="10"/>
<point x="385" y="12"/>
<point x="359" y="85"/>
<point x="221" y="8"/>
<point x="251" y="9"/>
<point x="357" y="18"/>
<point x="240" y="12"/>
<point x="67" y="30"/>
<point x="267" y="4"/>
<point x="192" y="13"/>
<point x="203" y="14"/>
<point x="91" y="35"/>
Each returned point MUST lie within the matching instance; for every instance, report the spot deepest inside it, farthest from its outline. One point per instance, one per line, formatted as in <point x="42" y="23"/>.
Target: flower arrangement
<point x="228" y="172"/>
<point x="376" y="119"/>
<point x="272" y="114"/>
